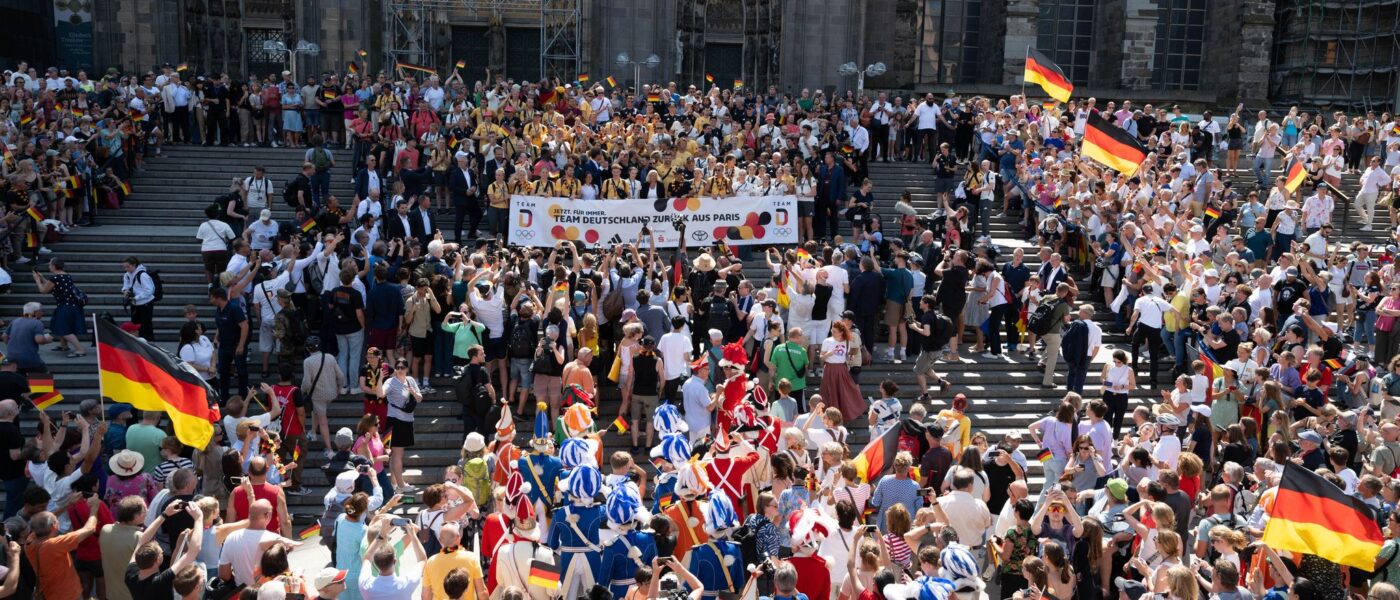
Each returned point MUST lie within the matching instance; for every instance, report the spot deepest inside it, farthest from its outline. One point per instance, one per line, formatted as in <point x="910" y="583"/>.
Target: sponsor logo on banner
<point x="739" y="220"/>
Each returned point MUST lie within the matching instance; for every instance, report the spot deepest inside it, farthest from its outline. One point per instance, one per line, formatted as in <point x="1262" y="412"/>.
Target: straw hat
<point x="127" y="463"/>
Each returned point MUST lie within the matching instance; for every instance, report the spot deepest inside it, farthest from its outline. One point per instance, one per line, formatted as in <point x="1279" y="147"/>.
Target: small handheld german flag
<point x="620" y="424"/>
<point x="125" y="188"/>
<point x="1333" y="363"/>
<point x="353" y="68"/>
<point x="461" y="64"/>
<point x="39" y="384"/>
<point x="183" y="67"/>
<point x="78" y="112"/>
<point x="1213" y="212"/>
<point x="310" y="532"/>
<point x="74" y="182"/>
<point x="45" y="400"/>
<point x="544" y="574"/>
<point x="1297" y="174"/>
<point x="26" y="119"/>
<point x="1045" y="455"/>
<point x="738" y="83"/>
<point x="308" y="225"/>
<point x="709" y="78"/>
<point x="31" y="240"/>
<point x="612" y="81"/>
<point x="653" y="97"/>
<point x="561" y="286"/>
<point x="136" y="116"/>
<point x="583" y="77"/>
<point x="34" y="213"/>
<point x="389" y="439"/>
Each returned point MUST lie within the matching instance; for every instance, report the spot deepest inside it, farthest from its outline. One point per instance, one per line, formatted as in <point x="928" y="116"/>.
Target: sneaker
<point x="990" y="355"/>
<point x="311" y="438"/>
<point x="297" y="491"/>
<point x="1365" y="227"/>
<point x="21" y="261"/>
<point x="889" y="356"/>
<point x="43" y="250"/>
<point x="428" y="389"/>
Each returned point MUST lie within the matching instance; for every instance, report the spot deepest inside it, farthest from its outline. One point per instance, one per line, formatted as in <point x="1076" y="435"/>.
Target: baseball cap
<point x="1309" y="435"/>
<point x="327" y="577"/>
<point x="265" y="215"/>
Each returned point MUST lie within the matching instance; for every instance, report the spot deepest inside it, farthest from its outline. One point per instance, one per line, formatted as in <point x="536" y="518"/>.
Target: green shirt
<point x="789" y="358"/>
<point x="898" y="283"/>
<point x="463" y="338"/>
<point x="146" y="439"/>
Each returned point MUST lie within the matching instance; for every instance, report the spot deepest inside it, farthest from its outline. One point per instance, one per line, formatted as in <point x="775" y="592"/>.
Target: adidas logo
<point x="615" y="239"/>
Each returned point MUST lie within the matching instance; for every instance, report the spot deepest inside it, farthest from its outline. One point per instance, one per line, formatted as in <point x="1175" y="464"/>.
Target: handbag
<point x="616" y="370"/>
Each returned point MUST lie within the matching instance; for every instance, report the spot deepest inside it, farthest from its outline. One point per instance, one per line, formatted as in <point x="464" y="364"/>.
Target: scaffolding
<point x="1336" y="54"/>
<point x="410" y="35"/>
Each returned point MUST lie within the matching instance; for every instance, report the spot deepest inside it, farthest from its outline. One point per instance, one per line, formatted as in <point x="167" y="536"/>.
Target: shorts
<point x="267" y="340"/>
<point x="402" y="431"/>
<point x="440" y="178"/>
<point x="953" y="308"/>
<point x="549" y="389"/>
<point x="384" y="339"/>
<point x="944" y="185"/>
<point x="895" y="313"/>
<point x="642" y="407"/>
<point x="806" y="209"/>
<point x="1340" y="300"/>
<point x="926" y="360"/>
<point x="520" y="370"/>
<point x="421" y="346"/>
<point x="495" y="348"/>
<point x="91" y="567"/>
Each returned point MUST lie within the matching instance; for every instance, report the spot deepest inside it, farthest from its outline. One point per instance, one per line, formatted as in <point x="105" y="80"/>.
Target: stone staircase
<point x="158" y="225"/>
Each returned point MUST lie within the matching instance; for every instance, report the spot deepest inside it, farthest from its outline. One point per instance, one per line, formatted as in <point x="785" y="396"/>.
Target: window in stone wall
<point x="1066" y="33"/>
<point x="1181" y="31"/>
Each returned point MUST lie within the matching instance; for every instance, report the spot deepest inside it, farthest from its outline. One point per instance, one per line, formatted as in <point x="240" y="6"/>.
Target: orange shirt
<point x="54" y="563"/>
<point x="576" y="373"/>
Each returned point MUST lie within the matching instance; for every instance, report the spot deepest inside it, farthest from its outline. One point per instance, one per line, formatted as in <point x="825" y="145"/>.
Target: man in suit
<point x="594" y="166"/>
<point x="1053" y="271"/>
<point x="462" y="183"/>
<point x="495" y="163"/>
<point x="399" y="224"/>
<point x="831" y="193"/>
<point x="368" y="179"/>
<point x="424" y="224"/>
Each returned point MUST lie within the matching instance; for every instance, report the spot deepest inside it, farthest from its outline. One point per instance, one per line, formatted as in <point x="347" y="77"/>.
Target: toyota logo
<point x="699" y="235"/>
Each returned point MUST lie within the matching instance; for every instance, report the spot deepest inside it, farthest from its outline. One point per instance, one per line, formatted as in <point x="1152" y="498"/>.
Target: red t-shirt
<point x="493" y="536"/>
<point x="813" y="578"/>
<point x="289" y="398"/>
<point x="88" y="549"/>
<point x="266" y="491"/>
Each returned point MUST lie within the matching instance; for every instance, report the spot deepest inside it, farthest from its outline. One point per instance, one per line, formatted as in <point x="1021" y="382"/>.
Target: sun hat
<point x="126" y="463"/>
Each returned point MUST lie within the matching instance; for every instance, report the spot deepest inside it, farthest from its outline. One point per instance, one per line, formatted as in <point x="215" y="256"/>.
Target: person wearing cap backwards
<point x="631" y="548"/>
<point x="329" y="583"/>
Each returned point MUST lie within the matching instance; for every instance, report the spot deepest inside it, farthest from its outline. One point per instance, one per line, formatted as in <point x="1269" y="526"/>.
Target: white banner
<point x="738" y="220"/>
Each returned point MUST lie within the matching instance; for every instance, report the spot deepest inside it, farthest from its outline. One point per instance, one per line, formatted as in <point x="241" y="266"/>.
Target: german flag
<point x="461" y="64"/>
<point x="353" y="68"/>
<point x="1312" y="516"/>
<point x="1297" y="174"/>
<point x="1213" y="373"/>
<point x="653" y="97"/>
<point x="136" y="116"/>
<point x="308" y="225"/>
<point x="34" y="214"/>
<point x="544" y="574"/>
<point x="78" y="112"/>
<point x="139" y="374"/>
<point x="408" y="66"/>
<point x="709" y="78"/>
<point x="877" y="456"/>
<point x="1110" y="145"/>
<point x="74" y="182"/>
<point x="620" y="424"/>
<point x="26" y="119"/>
<point x="310" y="532"/>
<point x="31" y="240"/>
<point x="612" y="81"/>
<point x="783" y="299"/>
<point x="125" y="188"/>
<point x="47" y="399"/>
<point x="738" y="83"/>
<point x="1045" y="455"/>
<point x="1333" y="364"/>
<point x="1213" y="212"/>
<point x="583" y="77"/>
<point x="39" y="384"/>
<point x="183" y="67"/>
<point x="1043" y="72"/>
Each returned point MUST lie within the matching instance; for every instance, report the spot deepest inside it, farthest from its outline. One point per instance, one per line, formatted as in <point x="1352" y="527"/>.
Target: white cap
<point x="474" y="442"/>
<point x="265" y="215"/>
<point x="1201" y="409"/>
<point x="345" y="482"/>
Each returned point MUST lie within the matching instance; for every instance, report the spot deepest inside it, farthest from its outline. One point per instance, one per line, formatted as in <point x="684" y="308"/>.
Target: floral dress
<point x="1023" y="544"/>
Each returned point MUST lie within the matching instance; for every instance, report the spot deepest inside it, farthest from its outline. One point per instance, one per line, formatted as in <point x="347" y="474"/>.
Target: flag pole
<point x="1023" y="72"/>
<point x="97" y="349"/>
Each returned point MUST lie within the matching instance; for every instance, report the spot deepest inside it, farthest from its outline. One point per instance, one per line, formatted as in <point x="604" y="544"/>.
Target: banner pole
<point x="1023" y="72"/>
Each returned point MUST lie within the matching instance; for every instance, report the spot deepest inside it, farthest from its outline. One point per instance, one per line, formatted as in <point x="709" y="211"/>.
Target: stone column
<point x="1139" y="43"/>
<point x="1022" y="25"/>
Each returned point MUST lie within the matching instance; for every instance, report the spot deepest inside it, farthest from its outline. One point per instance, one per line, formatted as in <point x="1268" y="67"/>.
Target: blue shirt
<point x="227" y="321"/>
<point x="891" y="491"/>
<point x="898" y="283"/>
<point x="384" y="306"/>
<point x="21" y="346"/>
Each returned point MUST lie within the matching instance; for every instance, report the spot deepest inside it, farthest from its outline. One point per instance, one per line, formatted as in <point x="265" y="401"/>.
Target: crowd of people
<point x="740" y="422"/>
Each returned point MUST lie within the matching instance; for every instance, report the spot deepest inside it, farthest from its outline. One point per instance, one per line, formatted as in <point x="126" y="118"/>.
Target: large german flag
<point x="1109" y="144"/>
<point x="1043" y="72"/>
<point x="1312" y="516"/>
<point x="878" y="455"/>
<point x="139" y="374"/>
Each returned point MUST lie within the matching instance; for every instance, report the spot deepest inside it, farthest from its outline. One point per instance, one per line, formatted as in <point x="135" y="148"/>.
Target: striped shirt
<point x="166" y="467"/>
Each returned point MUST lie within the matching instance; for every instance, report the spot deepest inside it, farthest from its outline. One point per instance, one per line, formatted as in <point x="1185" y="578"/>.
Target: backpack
<point x="1040" y="321"/>
<point x="747" y="539"/>
<point x="522" y="338"/>
<point x="321" y="159"/>
<point x="290" y="189"/>
<point x="159" y="292"/>
<point x="296" y="329"/>
<point x="327" y="523"/>
<point x="721" y="316"/>
<point x="908" y="443"/>
<point x="477" y="480"/>
<point x="1235" y="523"/>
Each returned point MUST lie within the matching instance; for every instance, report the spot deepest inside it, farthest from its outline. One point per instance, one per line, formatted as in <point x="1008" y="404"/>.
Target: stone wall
<point x="1022" y="25"/>
<point x="1139" y="43"/>
<point x="819" y="36"/>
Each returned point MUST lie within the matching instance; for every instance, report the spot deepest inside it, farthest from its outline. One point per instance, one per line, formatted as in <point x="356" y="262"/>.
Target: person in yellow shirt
<point x="545" y="186"/>
<point x="616" y="187"/>
<point x="567" y="186"/>
<point x="957" y="417"/>
<point x="1177" y="325"/>
<point x="452" y="558"/>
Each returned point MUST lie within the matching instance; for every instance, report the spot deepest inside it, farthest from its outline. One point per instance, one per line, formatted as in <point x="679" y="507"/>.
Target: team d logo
<point x="780" y="217"/>
<point x="526" y="218"/>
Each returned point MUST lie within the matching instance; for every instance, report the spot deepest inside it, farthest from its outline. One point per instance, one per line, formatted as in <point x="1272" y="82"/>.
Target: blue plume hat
<point x="674" y="448"/>
<point x="541" y="436"/>
<point x="720" y="514"/>
<point x="584" y="482"/>
<point x="576" y="452"/>
<point x="668" y="420"/>
<point x="623" y="505"/>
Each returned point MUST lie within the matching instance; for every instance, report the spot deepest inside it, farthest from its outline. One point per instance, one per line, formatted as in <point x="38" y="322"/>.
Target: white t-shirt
<point x="258" y="192"/>
<point x="838" y="278"/>
<point x="264" y="232"/>
<point x="241" y="552"/>
<point x="837" y="350"/>
<point x="926" y="115"/>
<point x="491" y="312"/>
<point x="214" y="236"/>
<point x="673" y="348"/>
<point x="1167" y="450"/>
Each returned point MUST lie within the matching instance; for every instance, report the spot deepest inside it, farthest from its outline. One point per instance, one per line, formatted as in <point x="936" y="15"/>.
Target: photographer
<point x="669" y="588"/>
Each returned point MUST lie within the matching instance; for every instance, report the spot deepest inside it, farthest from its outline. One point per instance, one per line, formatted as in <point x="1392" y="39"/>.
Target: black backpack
<point x="747" y="539"/>
<point x="1040" y="321"/>
<point x="522" y="338"/>
<point x="291" y="187"/>
<point x="721" y="316"/>
<point x="159" y="293"/>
